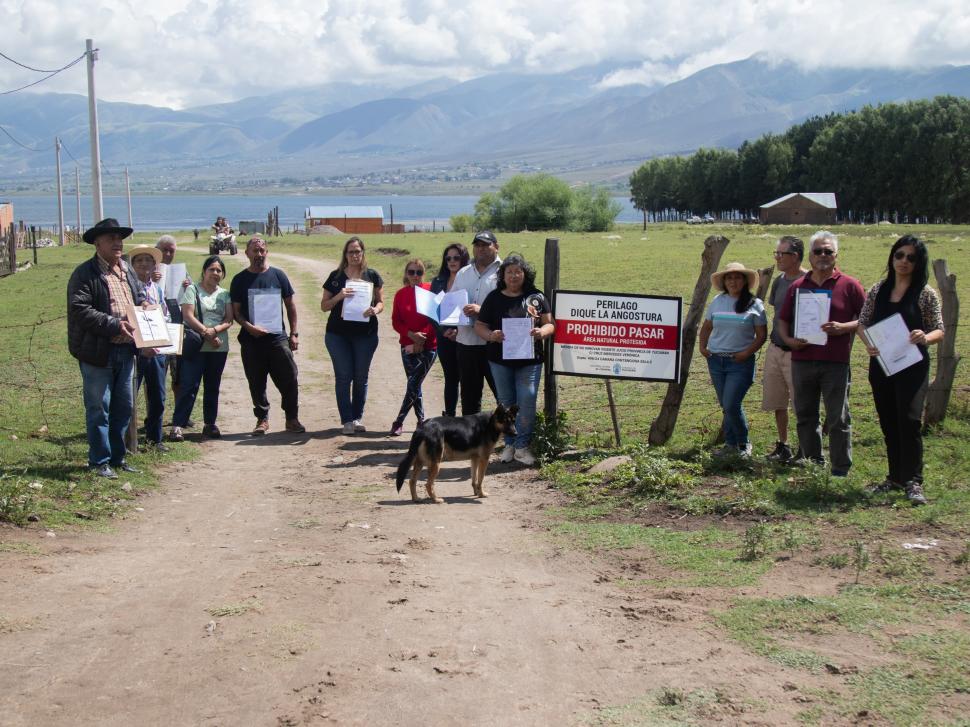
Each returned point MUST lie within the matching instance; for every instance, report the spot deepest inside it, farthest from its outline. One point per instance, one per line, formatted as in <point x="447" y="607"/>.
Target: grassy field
<point x="747" y="539"/>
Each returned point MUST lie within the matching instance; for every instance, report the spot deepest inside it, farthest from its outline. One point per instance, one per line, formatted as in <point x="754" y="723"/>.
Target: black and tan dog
<point x="446" y="439"/>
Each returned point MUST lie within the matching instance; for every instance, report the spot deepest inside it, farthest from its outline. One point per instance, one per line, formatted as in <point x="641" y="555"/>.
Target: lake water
<point x="187" y="212"/>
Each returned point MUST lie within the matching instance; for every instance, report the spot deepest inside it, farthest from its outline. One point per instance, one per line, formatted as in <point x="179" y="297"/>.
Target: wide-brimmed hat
<point x="106" y="227"/>
<point x="485" y="236"/>
<point x="145" y="250"/>
<point x="718" y="277"/>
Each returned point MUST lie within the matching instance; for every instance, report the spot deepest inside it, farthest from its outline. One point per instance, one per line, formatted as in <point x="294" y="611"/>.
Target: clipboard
<point x="176" y="334"/>
<point x="151" y="329"/>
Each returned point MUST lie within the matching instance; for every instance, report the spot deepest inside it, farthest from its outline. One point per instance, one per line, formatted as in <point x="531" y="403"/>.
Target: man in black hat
<point x="99" y="336"/>
<point x="478" y="279"/>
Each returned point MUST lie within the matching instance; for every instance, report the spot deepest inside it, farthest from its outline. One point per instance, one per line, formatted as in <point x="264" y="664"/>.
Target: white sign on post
<point x="617" y="335"/>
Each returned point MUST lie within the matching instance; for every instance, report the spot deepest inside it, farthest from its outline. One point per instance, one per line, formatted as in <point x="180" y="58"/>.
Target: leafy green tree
<point x="543" y="202"/>
<point x="592" y="210"/>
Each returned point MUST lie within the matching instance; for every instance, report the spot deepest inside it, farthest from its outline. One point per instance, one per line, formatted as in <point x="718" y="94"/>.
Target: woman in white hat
<point x="735" y="327"/>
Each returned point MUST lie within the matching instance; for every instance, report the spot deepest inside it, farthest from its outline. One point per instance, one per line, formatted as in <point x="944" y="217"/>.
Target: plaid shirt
<point x="119" y="292"/>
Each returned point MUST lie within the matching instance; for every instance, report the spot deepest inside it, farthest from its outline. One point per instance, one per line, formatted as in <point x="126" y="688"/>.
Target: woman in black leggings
<point x="899" y="398"/>
<point x="453" y="259"/>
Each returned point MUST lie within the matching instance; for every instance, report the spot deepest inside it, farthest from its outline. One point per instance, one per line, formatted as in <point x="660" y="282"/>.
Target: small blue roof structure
<point x="318" y="212"/>
<point x="823" y="199"/>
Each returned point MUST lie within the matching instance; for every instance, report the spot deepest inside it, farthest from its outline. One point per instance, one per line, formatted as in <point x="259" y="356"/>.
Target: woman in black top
<point x="516" y="378"/>
<point x="453" y="259"/>
<point x="899" y="398"/>
<point x="351" y="344"/>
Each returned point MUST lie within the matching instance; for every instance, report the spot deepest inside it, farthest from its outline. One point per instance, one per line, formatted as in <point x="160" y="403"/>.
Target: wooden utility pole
<point x="98" y="205"/>
<point x="938" y="395"/>
<point x="77" y="194"/>
<point x="663" y="426"/>
<point x="60" y="196"/>
<point x="550" y="275"/>
<point x="128" y="192"/>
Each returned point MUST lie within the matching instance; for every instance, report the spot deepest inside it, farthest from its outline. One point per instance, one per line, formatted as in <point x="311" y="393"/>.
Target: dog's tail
<point x="402" y="469"/>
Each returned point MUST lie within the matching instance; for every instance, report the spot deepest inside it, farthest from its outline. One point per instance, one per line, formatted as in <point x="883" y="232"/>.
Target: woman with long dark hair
<point x="899" y="398"/>
<point x="351" y="344"/>
<point x="735" y="327"/>
<point x="453" y="259"/>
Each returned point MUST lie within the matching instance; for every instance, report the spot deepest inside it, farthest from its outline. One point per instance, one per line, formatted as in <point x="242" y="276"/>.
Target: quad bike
<point x="222" y="241"/>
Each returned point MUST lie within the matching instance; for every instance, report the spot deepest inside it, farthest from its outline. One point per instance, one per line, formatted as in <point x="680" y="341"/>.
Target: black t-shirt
<point x="496" y="306"/>
<point x="244" y="281"/>
<point x="336" y="282"/>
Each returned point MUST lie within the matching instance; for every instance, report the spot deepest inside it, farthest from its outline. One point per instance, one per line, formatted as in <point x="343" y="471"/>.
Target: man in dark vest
<point x="99" y="336"/>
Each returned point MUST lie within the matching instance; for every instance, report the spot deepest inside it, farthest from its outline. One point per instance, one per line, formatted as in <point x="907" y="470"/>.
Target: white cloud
<point x="189" y="52"/>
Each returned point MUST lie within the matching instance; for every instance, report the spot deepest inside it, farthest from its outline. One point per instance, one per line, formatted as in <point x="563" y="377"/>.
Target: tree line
<point x="906" y="162"/>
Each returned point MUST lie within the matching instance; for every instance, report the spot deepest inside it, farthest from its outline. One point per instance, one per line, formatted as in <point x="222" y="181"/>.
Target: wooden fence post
<point x="550" y="275"/>
<point x="938" y="395"/>
<point x="663" y="426"/>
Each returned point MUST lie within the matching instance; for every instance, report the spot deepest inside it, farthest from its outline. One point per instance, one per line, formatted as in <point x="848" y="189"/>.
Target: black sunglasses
<point x="824" y="251"/>
<point x="449" y="258"/>
<point x="910" y="256"/>
<point x="415" y="272"/>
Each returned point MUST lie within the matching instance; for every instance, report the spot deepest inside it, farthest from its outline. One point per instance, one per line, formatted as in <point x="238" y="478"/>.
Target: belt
<point x="725" y="355"/>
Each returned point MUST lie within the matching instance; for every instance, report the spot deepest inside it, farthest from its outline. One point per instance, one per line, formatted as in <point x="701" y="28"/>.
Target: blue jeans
<point x="518" y="385"/>
<point x="731" y="382"/>
<point x="152" y="371"/>
<point x="351" y="357"/>
<point x="205" y="368"/>
<point x="107" y="405"/>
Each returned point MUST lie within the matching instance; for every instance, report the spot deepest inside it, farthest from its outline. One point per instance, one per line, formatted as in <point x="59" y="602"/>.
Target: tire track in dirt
<point x="282" y="580"/>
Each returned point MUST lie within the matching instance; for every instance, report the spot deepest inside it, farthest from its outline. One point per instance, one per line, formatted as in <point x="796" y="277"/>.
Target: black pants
<point x="899" y="403"/>
<point x="473" y="371"/>
<point x="270" y="356"/>
<point x="448" y="355"/>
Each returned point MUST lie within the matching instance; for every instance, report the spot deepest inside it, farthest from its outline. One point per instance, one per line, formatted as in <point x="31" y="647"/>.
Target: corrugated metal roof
<point x="825" y="199"/>
<point x="320" y="212"/>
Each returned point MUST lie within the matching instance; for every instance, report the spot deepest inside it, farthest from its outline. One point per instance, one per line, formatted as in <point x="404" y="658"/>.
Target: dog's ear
<point x="513" y="410"/>
<point x="499" y="410"/>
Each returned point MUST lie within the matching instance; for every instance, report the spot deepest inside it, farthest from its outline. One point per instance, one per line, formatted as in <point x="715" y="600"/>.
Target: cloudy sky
<point x="187" y="52"/>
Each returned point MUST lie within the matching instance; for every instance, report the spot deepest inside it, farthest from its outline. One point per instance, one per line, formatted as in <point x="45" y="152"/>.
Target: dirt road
<point x="284" y="581"/>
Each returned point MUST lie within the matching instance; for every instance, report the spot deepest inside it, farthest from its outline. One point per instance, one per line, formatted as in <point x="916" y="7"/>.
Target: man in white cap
<point x="99" y="336"/>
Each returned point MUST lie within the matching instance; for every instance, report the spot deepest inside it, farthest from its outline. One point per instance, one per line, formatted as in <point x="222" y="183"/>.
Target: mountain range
<point x="561" y="122"/>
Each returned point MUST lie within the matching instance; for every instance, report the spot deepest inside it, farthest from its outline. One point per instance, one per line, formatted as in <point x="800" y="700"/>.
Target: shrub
<point x="461" y="223"/>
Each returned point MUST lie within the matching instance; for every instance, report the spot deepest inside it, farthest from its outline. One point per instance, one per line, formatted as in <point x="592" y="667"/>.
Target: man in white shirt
<point x="478" y="278"/>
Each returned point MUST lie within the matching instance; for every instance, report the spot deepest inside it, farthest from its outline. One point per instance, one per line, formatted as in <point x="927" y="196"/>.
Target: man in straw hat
<point x="822" y="370"/>
<point x="100" y="337"/>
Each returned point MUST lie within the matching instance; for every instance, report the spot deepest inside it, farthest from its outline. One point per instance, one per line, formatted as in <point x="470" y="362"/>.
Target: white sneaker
<point x="507" y="454"/>
<point x="359" y="426"/>
<point x="524" y="456"/>
<point x="348" y="428"/>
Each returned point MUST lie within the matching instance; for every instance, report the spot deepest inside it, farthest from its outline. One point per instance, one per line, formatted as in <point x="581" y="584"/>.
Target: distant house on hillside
<point x="800" y="208"/>
<point x="351" y="220"/>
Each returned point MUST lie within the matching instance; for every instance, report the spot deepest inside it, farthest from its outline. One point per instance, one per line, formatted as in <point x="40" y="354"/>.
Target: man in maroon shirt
<point x="823" y="370"/>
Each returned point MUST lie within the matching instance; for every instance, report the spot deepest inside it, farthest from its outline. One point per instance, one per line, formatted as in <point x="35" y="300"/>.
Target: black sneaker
<point x="914" y="493"/>
<point x="125" y="467"/>
<point x="782" y="454"/>
<point x="880" y="488"/>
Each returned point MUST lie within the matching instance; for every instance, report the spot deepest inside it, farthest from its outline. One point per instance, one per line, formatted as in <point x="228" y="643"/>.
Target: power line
<point x="23" y="65"/>
<point x="15" y="140"/>
<point x="47" y="77"/>
<point x="64" y="147"/>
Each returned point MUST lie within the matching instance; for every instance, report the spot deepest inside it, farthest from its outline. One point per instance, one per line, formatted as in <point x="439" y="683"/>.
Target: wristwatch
<point x="294" y="334"/>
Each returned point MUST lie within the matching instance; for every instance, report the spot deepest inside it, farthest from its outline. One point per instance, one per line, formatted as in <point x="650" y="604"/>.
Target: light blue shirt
<point x="732" y="331"/>
<point x="478" y="285"/>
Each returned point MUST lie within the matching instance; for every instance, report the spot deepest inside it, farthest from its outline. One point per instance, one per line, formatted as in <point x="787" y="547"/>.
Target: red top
<point x="405" y="317"/>
<point x="847" y="300"/>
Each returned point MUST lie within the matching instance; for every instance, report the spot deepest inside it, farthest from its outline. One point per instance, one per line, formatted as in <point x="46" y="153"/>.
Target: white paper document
<point x="354" y="307"/>
<point x="152" y="330"/>
<point x="891" y="337"/>
<point x="175" y="333"/>
<point x="266" y="309"/>
<point x="443" y="308"/>
<point x="518" y="343"/>
<point x="172" y="278"/>
<point x="811" y="311"/>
